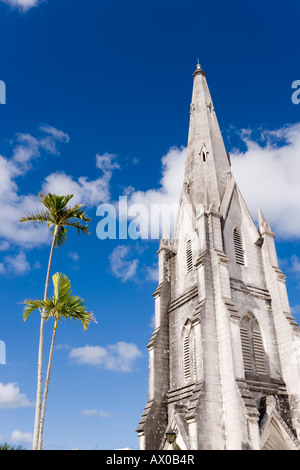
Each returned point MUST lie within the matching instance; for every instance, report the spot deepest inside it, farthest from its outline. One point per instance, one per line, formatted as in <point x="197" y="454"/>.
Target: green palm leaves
<point x="58" y="216"/>
<point x="61" y="305"/>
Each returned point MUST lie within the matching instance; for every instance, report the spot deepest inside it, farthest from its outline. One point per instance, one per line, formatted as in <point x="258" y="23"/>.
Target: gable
<point x="275" y="433"/>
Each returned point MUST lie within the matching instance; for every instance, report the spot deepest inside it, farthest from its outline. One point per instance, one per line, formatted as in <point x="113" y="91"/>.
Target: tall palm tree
<point x="57" y="215"/>
<point x="61" y="305"/>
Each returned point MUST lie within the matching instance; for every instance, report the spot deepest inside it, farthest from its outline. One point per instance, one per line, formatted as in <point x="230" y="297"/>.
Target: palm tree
<point x="57" y="216"/>
<point x="61" y="305"/>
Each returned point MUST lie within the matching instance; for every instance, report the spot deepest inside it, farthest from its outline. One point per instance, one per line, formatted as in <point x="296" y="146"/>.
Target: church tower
<point x="224" y="372"/>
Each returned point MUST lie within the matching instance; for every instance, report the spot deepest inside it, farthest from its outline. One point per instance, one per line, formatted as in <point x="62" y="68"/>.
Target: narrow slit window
<point x="203" y="156"/>
<point x="238" y="247"/>
<point x="189" y="256"/>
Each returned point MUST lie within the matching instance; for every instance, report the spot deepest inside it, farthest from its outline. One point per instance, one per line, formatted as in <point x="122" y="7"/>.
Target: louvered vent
<point x="246" y="350"/>
<point x="254" y="357"/>
<point x="259" y="353"/>
<point x="194" y="361"/>
<point x="238" y="247"/>
<point x="186" y="358"/>
<point x="189" y="256"/>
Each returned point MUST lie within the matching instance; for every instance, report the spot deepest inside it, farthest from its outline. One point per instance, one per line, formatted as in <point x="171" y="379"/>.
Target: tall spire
<point x="207" y="163"/>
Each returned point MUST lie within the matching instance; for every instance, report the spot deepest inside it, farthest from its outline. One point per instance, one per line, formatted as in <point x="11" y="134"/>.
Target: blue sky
<point x="98" y="97"/>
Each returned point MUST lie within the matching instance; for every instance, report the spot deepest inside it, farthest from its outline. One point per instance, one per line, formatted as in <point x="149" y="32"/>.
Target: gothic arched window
<point x="252" y="345"/>
<point x="189" y="255"/>
<point x="238" y="246"/>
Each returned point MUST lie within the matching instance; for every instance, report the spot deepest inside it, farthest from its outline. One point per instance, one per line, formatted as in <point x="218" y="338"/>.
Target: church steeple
<point x="207" y="162"/>
<point x="224" y="369"/>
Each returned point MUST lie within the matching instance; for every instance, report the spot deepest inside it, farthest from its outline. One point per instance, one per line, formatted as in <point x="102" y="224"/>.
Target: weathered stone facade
<point x="223" y="358"/>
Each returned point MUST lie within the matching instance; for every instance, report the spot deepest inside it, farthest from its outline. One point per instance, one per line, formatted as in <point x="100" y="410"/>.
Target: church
<point x="222" y="367"/>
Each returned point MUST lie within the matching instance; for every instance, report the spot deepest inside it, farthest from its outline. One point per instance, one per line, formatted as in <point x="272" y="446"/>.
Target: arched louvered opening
<point x="252" y="346"/>
<point x="186" y="358"/>
<point x="189" y="255"/>
<point x="238" y="247"/>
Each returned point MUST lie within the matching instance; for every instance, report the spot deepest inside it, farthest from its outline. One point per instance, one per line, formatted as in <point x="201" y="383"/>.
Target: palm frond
<point x="62" y="287"/>
<point x="80" y="227"/>
<point x="32" y="305"/>
<point x="62" y="304"/>
<point x="59" y="216"/>
<point x="39" y="217"/>
<point x="61" y="236"/>
<point x="55" y="203"/>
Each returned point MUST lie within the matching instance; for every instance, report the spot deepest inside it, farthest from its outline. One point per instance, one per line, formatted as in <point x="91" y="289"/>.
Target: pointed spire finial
<point x="198" y="69"/>
<point x="263" y="225"/>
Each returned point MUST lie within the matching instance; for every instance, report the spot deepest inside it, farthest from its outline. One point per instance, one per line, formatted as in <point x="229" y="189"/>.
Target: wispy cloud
<point x="25" y="149"/>
<point x="267" y="173"/>
<point x="95" y="412"/>
<point x="121" y="266"/>
<point x="165" y="197"/>
<point x="19" y="436"/>
<point x="11" y="397"/>
<point x="118" y="357"/>
<point x="22" y="5"/>
<point x="89" y="192"/>
<point x="17" y="264"/>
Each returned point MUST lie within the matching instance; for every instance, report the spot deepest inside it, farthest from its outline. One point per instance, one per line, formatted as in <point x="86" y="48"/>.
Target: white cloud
<point x="95" y="412"/>
<point x="23" y="5"/>
<point x="295" y="264"/>
<point x="267" y="173"/>
<point x="107" y="162"/>
<point x="165" y="196"/>
<point x="118" y="357"/>
<point x="25" y="149"/>
<point x="88" y="192"/>
<point x="15" y="264"/>
<point x="121" y="268"/>
<point x="10" y="396"/>
<point x="74" y="256"/>
<point x="19" y="436"/>
<point x="151" y="273"/>
<point x="91" y="192"/>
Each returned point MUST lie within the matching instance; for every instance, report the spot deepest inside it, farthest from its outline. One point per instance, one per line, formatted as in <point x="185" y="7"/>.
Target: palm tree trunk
<point x="35" y="443"/>
<point x="40" y="445"/>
